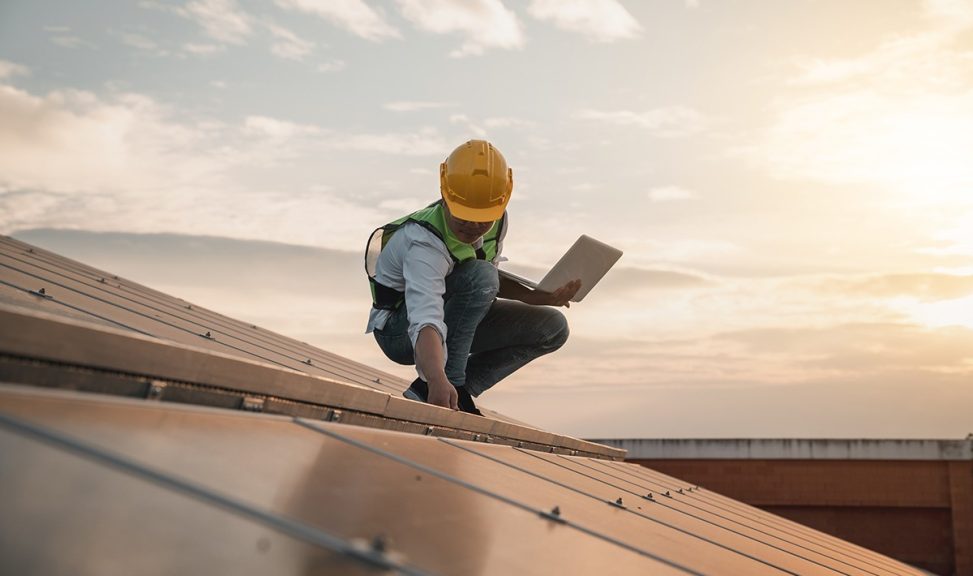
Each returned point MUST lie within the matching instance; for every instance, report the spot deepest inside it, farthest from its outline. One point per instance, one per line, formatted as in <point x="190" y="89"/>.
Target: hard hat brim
<point x="491" y="214"/>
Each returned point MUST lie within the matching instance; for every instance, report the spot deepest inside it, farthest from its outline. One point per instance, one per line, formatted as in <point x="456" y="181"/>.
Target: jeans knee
<point x="557" y="329"/>
<point x="476" y="277"/>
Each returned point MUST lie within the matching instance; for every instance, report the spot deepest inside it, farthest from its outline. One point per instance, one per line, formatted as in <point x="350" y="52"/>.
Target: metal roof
<point x="133" y="443"/>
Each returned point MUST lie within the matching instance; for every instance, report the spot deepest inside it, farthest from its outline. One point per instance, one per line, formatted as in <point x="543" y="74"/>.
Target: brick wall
<point x="920" y="512"/>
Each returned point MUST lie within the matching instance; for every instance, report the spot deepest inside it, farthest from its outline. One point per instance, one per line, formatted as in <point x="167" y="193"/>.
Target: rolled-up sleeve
<point x="424" y="269"/>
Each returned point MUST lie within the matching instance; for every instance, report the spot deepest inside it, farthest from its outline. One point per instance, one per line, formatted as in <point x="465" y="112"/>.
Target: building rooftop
<point x="143" y="434"/>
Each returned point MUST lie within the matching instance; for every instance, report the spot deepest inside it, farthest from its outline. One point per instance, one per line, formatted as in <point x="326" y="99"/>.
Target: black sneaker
<point x="466" y="402"/>
<point x="419" y="391"/>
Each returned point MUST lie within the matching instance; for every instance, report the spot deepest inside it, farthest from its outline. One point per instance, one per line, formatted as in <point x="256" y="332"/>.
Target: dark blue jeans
<point x="487" y="339"/>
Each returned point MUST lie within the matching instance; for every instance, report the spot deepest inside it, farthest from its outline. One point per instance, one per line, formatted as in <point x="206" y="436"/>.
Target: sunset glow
<point x="791" y="184"/>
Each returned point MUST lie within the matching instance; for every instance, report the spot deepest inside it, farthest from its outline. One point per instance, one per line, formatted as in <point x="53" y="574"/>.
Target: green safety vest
<point x="432" y="218"/>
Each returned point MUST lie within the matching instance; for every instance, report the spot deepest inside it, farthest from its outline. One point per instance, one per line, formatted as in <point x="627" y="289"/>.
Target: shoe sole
<point x="411" y="395"/>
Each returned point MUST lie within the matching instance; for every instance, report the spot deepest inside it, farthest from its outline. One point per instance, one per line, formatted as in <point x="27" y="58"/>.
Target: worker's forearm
<point x="431" y="362"/>
<point x="512" y="290"/>
<point x="429" y="354"/>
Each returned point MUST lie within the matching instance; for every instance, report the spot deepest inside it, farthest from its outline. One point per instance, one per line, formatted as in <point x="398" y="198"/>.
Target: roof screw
<point x="254" y="326"/>
<point x="680" y="491"/>
<point x="428" y="430"/>
<point x="156" y="389"/>
<point x="552" y="449"/>
<point x="378" y="380"/>
<point x="476" y="437"/>
<point x="102" y="280"/>
<point x="308" y="361"/>
<point x="380" y="544"/>
<point x="667" y="495"/>
<point x="619" y="502"/>
<point x="489" y="440"/>
<point x="189" y="306"/>
<point x="30" y="250"/>
<point x="556" y="511"/>
<point x="208" y="335"/>
<point x="648" y="496"/>
<point x="42" y="291"/>
<point x="520" y="444"/>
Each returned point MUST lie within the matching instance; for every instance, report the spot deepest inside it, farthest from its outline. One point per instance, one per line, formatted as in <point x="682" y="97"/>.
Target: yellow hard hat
<point x="476" y="182"/>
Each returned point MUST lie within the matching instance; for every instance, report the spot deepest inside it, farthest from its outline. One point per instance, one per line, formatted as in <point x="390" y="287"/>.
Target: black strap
<point x="387" y="298"/>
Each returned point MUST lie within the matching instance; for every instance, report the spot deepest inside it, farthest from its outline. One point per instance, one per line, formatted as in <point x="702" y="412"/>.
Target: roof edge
<point x="75" y="344"/>
<point x="793" y="449"/>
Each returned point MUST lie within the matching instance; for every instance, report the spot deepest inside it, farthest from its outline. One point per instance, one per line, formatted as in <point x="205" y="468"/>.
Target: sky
<point x="791" y="183"/>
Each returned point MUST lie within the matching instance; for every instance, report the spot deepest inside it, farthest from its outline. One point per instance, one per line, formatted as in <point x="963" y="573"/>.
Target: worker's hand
<point x="443" y="393"/>
<point x="562" y="296"/>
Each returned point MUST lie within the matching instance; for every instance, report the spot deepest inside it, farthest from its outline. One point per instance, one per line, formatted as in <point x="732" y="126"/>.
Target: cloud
<point x="481" y="128"/>
<point x="952" y="14"/>
<point x="413" y="106"/>
<point x="68" y="41"/>
<point x="486" y="24"/>
<point x="470" y="126"/>
<point x="599" y="20"/>
<point x="72" y="159"/>
<point x="141" y="43"/>
<point x="507" y="122"/>
<point x="627" y="280"/>
<point x="227" y="23"/>
<point x="287" y="44"/>
<point x="332" y="66"/>
<point x="670" y="193"/>
<point x="423" y="142"/>
<point x="899" y="116"/>
<point x="352" y="15"/>
<point x="222" y="20"/>
<point x="925" y="287"/>
<point x="94" y="145"/>
<point x="275" y="129"/>
<point x="203" y="49"/>
<point x="669" y="122"/>
<point x="11" y="69"/>
<point x="853" y="350"/>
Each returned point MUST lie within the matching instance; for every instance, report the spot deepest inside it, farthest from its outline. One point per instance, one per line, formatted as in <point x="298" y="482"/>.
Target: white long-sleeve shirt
<point x="416" y="262"/>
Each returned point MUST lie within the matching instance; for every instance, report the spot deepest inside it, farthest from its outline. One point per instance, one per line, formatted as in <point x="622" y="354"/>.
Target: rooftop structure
<point x="144" y="434"/>
<point x="910" y="499"/>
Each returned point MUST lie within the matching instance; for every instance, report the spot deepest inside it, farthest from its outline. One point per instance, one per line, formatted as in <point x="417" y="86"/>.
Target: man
<point x="435" y="287"/>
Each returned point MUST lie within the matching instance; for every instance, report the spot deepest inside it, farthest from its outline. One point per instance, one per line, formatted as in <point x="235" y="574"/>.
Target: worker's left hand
<point x="563" y="295"/>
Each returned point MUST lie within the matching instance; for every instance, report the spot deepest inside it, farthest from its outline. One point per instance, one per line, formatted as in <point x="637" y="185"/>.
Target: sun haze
<point x="791" y="183"/>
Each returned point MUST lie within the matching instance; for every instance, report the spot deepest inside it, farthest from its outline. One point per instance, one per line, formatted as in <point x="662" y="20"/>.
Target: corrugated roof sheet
<point x="345" y="478"/>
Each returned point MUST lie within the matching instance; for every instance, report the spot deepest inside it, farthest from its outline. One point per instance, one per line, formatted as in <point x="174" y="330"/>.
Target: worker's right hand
<point x="443" y="393"/>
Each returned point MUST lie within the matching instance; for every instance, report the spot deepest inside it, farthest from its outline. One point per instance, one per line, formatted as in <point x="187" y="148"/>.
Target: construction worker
<point x="438" y="300"/>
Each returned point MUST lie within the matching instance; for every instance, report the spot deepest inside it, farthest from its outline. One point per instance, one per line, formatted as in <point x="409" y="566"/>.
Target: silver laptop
<point x="588" y="259"/>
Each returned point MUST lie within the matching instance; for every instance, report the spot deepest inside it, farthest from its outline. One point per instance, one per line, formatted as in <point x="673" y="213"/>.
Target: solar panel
<point x="233" y="453"/>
